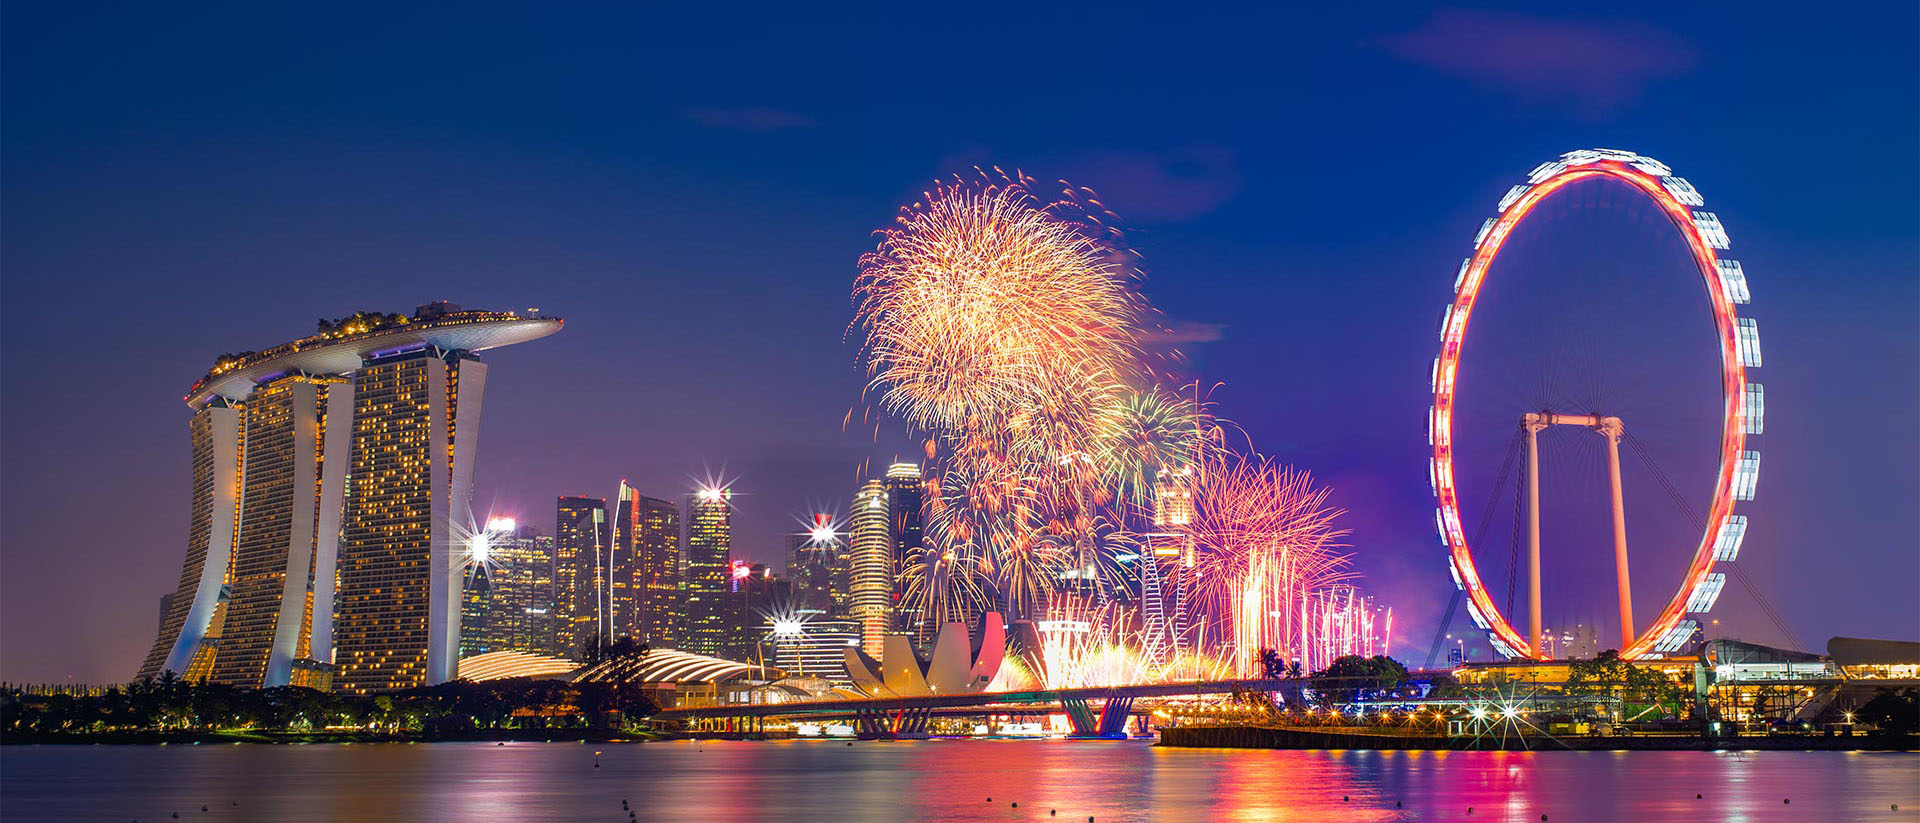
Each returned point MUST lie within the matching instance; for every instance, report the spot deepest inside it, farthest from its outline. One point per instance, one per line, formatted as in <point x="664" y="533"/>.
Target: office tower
<point x="478" y="635"/>
<point x="343" y="540"/>
<point x="525" y="593"/>
<point x="510" y="593"/>
<point x="283" y="482"/>
<point x="644" y="586"/>
<point x="579" y="541"/>
<point x="810" y="565"/>
<point x="709" y="566"/>
<point x="623" y="564"/>
<point x="840" y="582"/>
<point x="758" y="596"/>
<point x="660" y="621"/>
<point x="905" y="528"/>
<point x="871" y="567"/>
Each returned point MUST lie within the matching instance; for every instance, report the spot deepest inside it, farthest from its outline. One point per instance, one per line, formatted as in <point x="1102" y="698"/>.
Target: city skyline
<point x="750" y="378"/>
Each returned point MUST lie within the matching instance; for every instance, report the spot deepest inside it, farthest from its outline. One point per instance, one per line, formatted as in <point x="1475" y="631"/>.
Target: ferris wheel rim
<point x="1739" y="349"/>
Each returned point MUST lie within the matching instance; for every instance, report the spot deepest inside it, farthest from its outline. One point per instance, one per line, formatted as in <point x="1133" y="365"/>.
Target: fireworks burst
<point x="982" y="301"/>
<point x="1005" y="326"/>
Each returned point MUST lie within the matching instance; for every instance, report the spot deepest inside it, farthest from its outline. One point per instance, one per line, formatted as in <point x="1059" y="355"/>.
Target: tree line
<point x="173" y="704"/>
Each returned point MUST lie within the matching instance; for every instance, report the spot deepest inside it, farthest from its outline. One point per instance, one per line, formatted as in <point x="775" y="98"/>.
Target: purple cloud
<point x="748" y="118"/>
<point x="1159" y="186"/>
<point x="1599" y="66"/>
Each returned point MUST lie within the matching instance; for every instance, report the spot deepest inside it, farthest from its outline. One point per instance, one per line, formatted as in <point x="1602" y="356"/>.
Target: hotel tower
<point x="331" y="504"/>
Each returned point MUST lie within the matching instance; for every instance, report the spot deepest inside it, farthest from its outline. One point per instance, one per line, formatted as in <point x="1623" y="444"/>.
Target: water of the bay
<point x="937" y="780"/>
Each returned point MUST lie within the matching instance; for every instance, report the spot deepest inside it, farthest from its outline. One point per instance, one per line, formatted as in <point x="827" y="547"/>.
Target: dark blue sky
<point x="690" y="189"/>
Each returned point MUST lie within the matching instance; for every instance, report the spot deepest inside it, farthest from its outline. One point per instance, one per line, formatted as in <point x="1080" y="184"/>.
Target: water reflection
<point x="943" y="780"/>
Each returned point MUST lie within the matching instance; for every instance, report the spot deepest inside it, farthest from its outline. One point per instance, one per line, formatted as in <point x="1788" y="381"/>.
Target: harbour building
<point x="330" y="476"/>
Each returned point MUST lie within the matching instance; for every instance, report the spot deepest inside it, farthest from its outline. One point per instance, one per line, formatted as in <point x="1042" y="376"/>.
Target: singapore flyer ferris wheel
<point x="1723" y="530"/>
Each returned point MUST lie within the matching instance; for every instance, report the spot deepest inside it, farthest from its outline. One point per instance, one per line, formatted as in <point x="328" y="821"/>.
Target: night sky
<point x="690" y="189"/>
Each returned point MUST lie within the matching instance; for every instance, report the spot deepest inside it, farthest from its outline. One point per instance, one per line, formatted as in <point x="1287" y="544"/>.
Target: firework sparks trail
<point x="1265" y="541"/>
<point x="1084" y="645"/>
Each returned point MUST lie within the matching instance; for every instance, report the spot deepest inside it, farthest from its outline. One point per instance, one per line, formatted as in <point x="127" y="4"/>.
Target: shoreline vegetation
<point x="215" y="738"/>
<point x="174" y="710"/>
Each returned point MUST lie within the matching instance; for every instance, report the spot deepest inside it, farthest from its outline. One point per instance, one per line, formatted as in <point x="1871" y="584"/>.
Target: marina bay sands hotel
<point x="331" y="500"/>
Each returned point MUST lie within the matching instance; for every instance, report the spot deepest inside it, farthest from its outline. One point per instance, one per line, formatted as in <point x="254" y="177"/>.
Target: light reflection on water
<point x="937" y="780"/>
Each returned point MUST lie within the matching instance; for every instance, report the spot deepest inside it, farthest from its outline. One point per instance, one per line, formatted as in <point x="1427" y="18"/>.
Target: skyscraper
<point x="336" y="498"/>
<point x="644" y="587"/>
<point x="525" y="586"/>
<point x="478" y="635"/>
<point x="810" y="565"/>
<point x="580" y="538"/>
<point x="871" y="566"/>
<point x="905" y="528"/>
<point x="709" y="566"/>
<point x="623" y="564"/>
<point x="510" y="605"/>
<point x="660" y="622"/>
<point x="758" y="596"/>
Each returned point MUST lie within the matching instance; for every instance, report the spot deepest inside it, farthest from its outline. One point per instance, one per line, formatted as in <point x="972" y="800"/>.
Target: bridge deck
<point x="948" y="701"/>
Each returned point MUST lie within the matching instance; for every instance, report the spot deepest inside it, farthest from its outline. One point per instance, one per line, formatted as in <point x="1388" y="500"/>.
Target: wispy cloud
<point x="749" y="118"/>
<point x="1169" y="186"/>
<point x="1595" y="66"/>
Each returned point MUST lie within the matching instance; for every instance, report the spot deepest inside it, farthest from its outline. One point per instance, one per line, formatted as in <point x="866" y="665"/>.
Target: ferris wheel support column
<point x="1533" y="423"/>
<point x="1611" y="428"/>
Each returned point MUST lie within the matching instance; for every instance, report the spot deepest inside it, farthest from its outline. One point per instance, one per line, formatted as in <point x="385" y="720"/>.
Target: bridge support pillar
<point x="1110" y="722"/>
<point x="1113" y="717"/>
<point x="1079" y="716"/>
